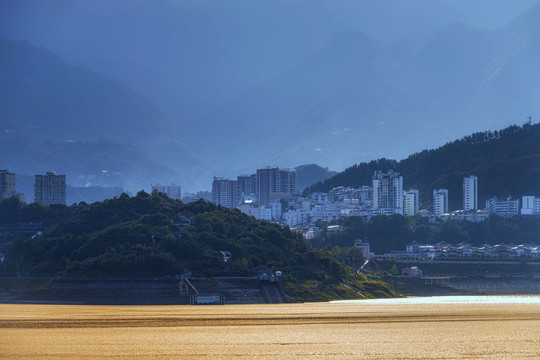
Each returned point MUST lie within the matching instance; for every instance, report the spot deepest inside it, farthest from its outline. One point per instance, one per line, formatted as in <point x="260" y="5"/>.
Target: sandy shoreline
<point x="342" y="330"/>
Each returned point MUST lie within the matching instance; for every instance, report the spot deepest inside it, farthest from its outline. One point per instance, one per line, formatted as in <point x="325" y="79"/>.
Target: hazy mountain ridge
<point x="231" y="100"/>
<point x="60" y="117"/>
<point x="60" y="101"/>
<point x="310" y="174"/>
<point x="278" y="109"/>
<point x="86" y="163"/>
<point x="450" y="82"/>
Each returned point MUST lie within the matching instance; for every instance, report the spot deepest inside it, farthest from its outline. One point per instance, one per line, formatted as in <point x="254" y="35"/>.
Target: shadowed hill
<point x="309" y="174"/>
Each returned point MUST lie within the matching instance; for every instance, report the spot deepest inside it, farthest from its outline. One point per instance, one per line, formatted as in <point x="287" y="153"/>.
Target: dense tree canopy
<point x="145" y="234"/>
<point x="393" y="233"/>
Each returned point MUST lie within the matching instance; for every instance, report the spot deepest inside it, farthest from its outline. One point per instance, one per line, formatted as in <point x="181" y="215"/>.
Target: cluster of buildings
<point x="173" y="191"/>
<point x="49" y="189"/>
<point x="463" y="250"/>
<point x="261" y="190"/>
<point x="262" y="195"/>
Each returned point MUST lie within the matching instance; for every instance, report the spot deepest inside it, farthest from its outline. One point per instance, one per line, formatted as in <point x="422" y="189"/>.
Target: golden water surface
<point x="340" y="330"/>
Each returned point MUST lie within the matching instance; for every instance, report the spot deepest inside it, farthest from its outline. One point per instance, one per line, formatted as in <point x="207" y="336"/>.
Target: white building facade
<point x="388" y="191"/>
<point x="506" y="208"/>
<point x="470" y="193"/>
<point x="440" y="202"/>
<point x="410" y="202"/>
<point x="530" y="205"/>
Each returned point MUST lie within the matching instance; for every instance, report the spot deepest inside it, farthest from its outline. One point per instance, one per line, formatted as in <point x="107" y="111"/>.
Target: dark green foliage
<point x="393" y="233"/>
<point x="136" y="236"/>
<point x="387" y="233"/>
<point x="353" y="228"/>
<point x="507" y="162"/>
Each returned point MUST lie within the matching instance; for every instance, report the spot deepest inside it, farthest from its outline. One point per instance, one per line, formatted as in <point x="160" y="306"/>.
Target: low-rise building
<point x="530" y="205"/>
<point x="334" y="228"/>
<point x="412" y="271"/>
<point x="506" y="208"/>
<point x="468" y="215"/>
<point x="295" y="217"/>
<point x="366" y="248"/>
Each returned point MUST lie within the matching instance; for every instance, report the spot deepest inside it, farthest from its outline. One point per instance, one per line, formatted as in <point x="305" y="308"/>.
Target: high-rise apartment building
<point x="470" y="193"/>
<point x="7" y="185"/>
<point x="410" y="202"/>
<point x="173" y="191"/>
<point x="388" y="191"/>
<point x="224" y="192"/>
<point x="440" y="202"/>
<point x="246" y="187"/>
<point x="274" y="180"/>
<point x="50" y="189"/>
<point x="267" y="182"/>
<point x="288" y="181"/>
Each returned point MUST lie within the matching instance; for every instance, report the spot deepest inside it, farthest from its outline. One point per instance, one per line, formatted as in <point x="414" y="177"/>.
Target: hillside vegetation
<point x="507" y="162"/>
<point x="149" y="235"/>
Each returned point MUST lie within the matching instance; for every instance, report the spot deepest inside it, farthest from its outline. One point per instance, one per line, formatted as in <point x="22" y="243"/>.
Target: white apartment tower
<point x="470" y="193"/>
<point x="388" y="191"/>
<point x="440" y="202"/>
<point x="410" y="202"/>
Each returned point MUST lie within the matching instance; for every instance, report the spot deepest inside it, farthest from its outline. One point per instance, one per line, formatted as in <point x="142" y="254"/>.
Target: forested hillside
<point x="507" y="162"/>
<point x="153" y="235"/>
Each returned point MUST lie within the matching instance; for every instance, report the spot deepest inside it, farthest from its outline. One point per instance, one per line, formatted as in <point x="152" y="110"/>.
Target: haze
<point x="186" y="90"/>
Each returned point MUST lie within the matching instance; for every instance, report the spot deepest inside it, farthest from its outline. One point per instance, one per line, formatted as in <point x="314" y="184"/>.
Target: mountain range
<point x="181" y="91"/>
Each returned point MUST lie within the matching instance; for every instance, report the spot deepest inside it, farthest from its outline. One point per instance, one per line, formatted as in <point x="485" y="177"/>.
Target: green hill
<point x="153" y="235"/>
<point x="507" y="162"/>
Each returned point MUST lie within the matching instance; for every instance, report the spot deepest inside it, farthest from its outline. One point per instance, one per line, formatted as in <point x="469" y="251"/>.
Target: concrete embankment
<point x="149" y="291"/>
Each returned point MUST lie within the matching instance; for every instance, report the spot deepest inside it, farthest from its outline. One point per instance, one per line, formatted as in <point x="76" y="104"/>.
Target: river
<point x="462" y="327"/>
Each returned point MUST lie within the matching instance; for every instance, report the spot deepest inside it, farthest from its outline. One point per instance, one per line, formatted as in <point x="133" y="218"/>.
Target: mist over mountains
<point x="185" y="90"/>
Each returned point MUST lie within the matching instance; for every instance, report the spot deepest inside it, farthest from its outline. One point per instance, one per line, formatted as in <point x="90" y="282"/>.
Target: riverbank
<point x="166" y="291"/>
<point x="123" y="291"/>
<point x="428" y="328"/>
